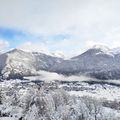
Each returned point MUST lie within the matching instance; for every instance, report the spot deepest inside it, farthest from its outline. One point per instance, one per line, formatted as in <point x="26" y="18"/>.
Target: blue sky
<point x="16" y="37"/>
<point x="67" y="26"/>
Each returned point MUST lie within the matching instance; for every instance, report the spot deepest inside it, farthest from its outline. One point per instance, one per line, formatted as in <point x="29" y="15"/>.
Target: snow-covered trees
<point x="0" y="97"/>
<point x="26" y="101"/>
<point x="58" y="105"/>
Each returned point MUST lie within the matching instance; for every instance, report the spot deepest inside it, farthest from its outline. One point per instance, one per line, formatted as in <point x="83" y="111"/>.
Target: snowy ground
<point x="77" y="85"/>
<point x="15" y="93"/>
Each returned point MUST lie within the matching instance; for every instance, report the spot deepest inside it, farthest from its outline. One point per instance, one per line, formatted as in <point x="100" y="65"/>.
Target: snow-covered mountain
<point x="17" y="63"/>
<point x="115" y="50"/>
<point x="98" y="61"/>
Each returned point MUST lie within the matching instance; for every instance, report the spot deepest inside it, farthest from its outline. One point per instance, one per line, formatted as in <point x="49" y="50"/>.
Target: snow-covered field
<point x="79" y="85"/>
<point x="56" y="97"/>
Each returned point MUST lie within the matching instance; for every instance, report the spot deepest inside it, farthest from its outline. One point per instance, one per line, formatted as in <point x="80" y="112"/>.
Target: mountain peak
<point x="101" y="48"/>
<point x="15" y="50"/>
<point x="96" y="50"/>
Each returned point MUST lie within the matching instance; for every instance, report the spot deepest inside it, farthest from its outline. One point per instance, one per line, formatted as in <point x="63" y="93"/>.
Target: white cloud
<point x="91" y="43"/>
<point x="50" y="76"/>
<point x="31" y="47"/>
<point x="68" y="47"/>
<point x="109" y="43"/>
<point x="4" y="45"/>
<point x="89" y="22"/>
<point x="60" y="16"/>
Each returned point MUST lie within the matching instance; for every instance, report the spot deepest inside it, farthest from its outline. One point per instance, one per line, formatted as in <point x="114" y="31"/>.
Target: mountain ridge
<point x="95" y="62"/>
<point x="17" y="63"/>
<point x="99" y="62"/>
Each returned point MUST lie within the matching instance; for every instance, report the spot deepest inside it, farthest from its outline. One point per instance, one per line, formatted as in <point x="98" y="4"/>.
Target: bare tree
<point x="94" y="107"/>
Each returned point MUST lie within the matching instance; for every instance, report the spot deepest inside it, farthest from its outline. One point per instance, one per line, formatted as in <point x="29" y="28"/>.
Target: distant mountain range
<point x="99" y="62"/>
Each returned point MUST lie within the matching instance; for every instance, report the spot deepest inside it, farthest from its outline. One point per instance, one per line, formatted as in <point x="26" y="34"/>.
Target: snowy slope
<point x="18" y="62"/>
<point x="98" y="61"/>
<point x="115" y="50"/>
